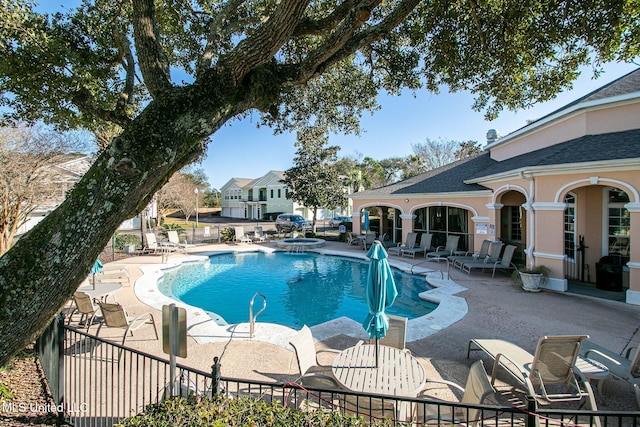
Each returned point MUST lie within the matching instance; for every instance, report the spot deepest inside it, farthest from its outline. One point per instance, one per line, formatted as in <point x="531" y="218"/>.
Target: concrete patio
<point x="495" y="308"/>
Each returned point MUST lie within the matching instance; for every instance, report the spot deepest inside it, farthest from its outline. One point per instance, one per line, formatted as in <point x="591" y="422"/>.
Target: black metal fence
<point x="100" y="382"/>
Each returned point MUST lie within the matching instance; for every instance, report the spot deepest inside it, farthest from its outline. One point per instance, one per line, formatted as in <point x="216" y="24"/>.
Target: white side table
<point x="593" y="371"/>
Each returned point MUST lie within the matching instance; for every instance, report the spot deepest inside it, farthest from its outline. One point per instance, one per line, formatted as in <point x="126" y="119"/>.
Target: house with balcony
<point x="263" y="199"/>
<point x="564" y="189"/>
<point x="258" y="198"/>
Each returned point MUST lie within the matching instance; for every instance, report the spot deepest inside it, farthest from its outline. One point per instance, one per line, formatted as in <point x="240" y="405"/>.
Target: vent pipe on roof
<point x="492" y="136"/>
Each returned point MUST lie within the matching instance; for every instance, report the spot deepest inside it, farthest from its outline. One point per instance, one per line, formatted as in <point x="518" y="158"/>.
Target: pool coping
<point x="203" y="329"/>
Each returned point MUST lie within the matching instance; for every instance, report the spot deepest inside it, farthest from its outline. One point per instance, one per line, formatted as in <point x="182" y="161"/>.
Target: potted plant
<point x="531" y="279"/>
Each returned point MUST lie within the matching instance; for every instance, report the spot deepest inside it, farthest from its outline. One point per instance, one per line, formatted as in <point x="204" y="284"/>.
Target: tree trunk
<point x="41" y="272"/>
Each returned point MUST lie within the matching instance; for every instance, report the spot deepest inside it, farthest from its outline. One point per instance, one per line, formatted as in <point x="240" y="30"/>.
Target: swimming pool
<point x="305" y="288"/>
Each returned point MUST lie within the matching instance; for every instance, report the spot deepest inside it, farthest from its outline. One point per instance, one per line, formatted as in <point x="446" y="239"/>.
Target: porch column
<point x="481" y="231"/>
<point x="355" y="224"/>
<point x="548" y="242"/>
<point x="633" y="293"/>
<point x="407" y="225"/>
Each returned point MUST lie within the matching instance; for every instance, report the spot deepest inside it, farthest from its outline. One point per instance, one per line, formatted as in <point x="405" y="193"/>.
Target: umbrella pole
<point x="377" y="351"/>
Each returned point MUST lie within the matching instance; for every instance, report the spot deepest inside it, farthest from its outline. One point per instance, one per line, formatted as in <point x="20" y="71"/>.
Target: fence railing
<point x="102" y="382"/>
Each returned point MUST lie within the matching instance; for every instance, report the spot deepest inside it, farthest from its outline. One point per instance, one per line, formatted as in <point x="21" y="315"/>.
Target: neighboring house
<point x="66" y="175"/>
<point x="565" y="189"/>
<point x="262" y="198"/>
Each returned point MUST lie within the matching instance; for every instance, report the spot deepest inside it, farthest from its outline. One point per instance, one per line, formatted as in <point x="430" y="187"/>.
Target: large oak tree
<point x="169" y="73"/>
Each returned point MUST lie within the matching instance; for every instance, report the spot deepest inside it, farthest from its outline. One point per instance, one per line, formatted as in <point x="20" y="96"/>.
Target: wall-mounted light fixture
<point x="406" y="200"/>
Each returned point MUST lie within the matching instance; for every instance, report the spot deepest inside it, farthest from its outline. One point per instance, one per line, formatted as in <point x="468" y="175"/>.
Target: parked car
<point x="289" y="222"/>
<point x="337" y="220"/>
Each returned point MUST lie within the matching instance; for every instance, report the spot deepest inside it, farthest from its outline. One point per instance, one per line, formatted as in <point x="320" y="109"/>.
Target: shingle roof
<point x="448" y="178"/>
<point x="452" y="177"/>
<point x="588" y="148"/>
<point x="627" y="84"/>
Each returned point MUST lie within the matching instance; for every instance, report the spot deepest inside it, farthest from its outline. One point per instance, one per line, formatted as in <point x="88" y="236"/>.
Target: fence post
<point x="532" y="409"/>
<point x="215" y="376"/>
<point x="50" y="348"/>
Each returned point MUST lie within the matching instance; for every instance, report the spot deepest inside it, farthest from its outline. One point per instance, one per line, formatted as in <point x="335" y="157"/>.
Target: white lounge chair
<point x="174" y="239"/>
<point x="443" y="252"/>
<point x="490" y="255"/>
<point x="154" y="246"/>
<point x="552" y="364"/>
<point x="412" y="238"/>
<point x="626" y="368"/>
<point x="425" y="246"/>
<point x="503" y="263"/>
<point x="484" y="252"/>
<point x="240" y="235"/>
<point x="259" y="235"/>
<point x="476" y="390"/>
<point x="113" y="273"/>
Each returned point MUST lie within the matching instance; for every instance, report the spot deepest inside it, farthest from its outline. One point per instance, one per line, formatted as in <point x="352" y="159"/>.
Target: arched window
<point x="618" y="222"/>
<point x="570" y="226"/>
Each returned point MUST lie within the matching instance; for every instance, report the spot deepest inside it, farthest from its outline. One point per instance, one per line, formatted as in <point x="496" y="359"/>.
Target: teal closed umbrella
<point x="380" y="293"/>
<point x="97" y="268"/>
<point x="366" y="221"/>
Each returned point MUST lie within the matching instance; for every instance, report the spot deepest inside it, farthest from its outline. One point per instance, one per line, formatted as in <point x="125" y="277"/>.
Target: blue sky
<point x="241" y="150"/>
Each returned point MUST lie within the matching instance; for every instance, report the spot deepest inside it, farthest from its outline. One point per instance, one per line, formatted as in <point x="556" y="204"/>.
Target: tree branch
<point x="307" y="27"/>
<point x="217" y="33"/>
<point x="129" y="65"/>
<point x="337" y="40"/>
<point x="305" y="71"/>
<point x="152" y="60"/>
<point x="83" y="100"/>
<point x="478" y="24"/>
<point x="260" y="47"/>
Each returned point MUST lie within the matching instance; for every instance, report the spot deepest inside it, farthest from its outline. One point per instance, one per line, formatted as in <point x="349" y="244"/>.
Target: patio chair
<point x="396" y="334"/>
<point x="85" y="306"/>
<point x="476" y="390"/>
<point x="156" y="247"/>
<point x="552" y="364"/>
<point x="240" y="235"/>
<point x="113" y="273"/>
<point x="625" y="367"/>
<point x="114" y="316"/>
<point x="412" y="238"/>
<point x="425" y="246"/>
<point x="368" y="240"/>
<point x="443" y="252"/>
<point x="312" y="373"/>
<point x="491" y="254"/>
<point x="352" y="240"/>
<point x="459" y="259"/>
<point x="174" y="240"/>
<point x="258" y="235"/>
<point x="503" y="263"/>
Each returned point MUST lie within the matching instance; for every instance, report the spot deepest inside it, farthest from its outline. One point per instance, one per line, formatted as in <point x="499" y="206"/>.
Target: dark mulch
<point x="29" y="403"/>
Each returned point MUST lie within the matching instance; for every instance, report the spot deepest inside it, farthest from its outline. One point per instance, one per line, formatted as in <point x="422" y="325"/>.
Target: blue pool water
<point x="305" y="288"/>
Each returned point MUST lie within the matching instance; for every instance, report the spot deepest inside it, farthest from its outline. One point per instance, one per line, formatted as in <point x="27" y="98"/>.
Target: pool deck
<point x="471" y="306"/>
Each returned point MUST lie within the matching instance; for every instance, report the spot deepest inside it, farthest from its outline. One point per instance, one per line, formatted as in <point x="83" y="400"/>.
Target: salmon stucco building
<point x="564" y="189"/>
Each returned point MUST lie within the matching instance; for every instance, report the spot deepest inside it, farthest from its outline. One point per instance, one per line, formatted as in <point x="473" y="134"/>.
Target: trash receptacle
<point x="609" y="272"/>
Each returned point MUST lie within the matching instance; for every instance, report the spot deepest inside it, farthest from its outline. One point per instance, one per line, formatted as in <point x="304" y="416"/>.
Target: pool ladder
<point x="252" y="318"/>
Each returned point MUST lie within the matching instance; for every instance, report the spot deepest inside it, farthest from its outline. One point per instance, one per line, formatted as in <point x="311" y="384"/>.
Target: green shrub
<point x="228" y="234"/>
<point x="244" y="411"/>
<point x="122" y="240"/>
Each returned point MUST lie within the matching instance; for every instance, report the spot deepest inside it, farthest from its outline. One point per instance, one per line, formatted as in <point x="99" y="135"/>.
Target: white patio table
<point x="398" y="374"/>
<point x="102" y="289"/>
